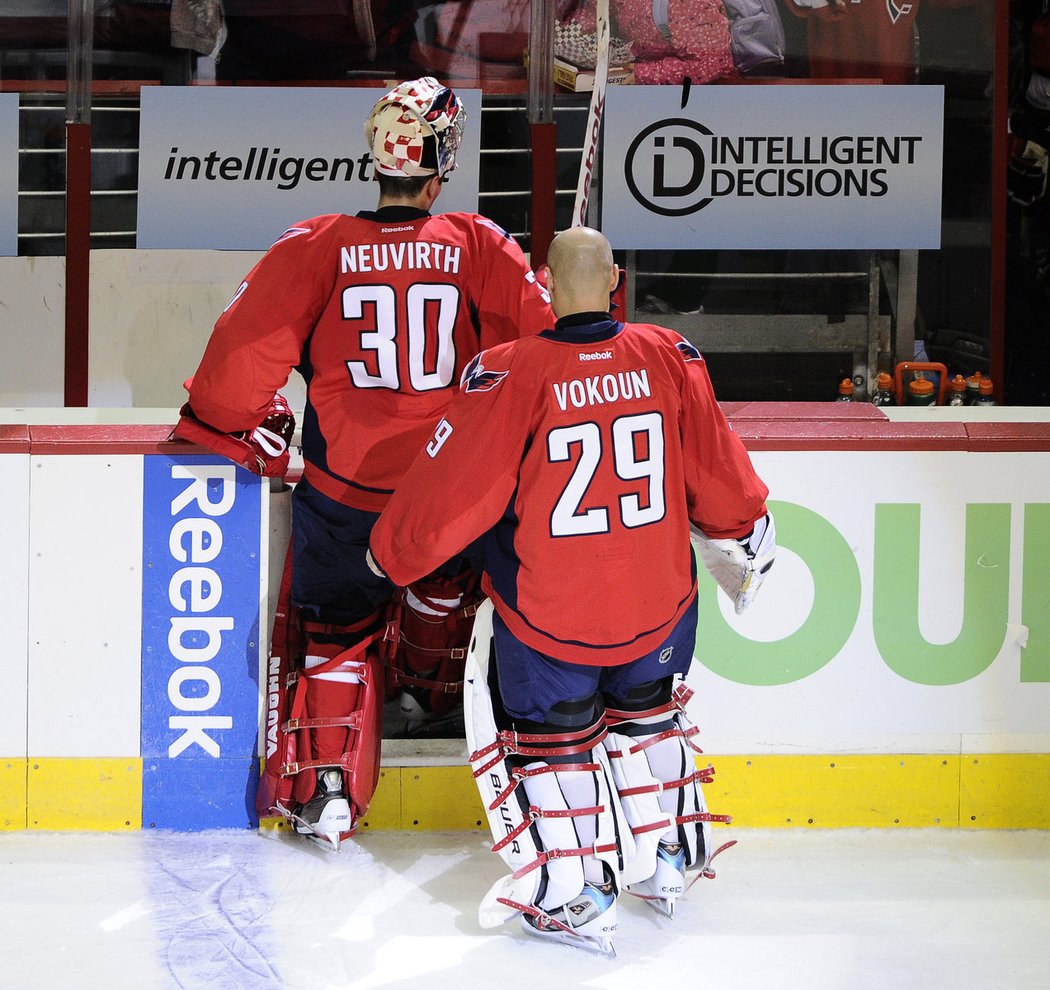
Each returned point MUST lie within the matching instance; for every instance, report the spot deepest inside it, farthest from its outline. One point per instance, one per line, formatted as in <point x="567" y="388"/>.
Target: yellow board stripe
<point x="97" y="794"/>
<point x="1009" y="790"/>
<point x="12" y="794"/>
<point x="775" y="791"/>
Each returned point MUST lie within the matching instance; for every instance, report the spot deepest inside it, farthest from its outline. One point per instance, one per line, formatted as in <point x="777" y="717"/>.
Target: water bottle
<point x="956" y="391"/>
<point x="921" y="391"/>
<point x="973" y="387"/>
<point x="884" y="391"/>
<point x="985" y="394"/>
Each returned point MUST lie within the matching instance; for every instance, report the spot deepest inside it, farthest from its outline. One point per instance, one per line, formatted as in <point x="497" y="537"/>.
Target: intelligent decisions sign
<point x="233" y="167"/>
<point x="856" y="167"/>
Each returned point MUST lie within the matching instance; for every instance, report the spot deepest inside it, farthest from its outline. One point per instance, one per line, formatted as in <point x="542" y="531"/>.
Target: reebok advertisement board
<point x="908" y="612"/>
<point x="201" y="641"/>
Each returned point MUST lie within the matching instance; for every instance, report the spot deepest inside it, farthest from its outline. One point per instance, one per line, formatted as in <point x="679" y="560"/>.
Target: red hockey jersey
<point x="860" y="39"/>
<point x="582" y="453"/>
<point x="380" y="313"/>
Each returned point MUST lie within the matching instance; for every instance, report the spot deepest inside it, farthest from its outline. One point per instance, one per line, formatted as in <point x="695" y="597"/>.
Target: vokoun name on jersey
<point x="597" y="390"/>
<point x="399" y="256"/>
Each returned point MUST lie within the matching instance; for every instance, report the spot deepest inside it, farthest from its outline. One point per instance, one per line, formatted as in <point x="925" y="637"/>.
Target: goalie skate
<point x="651" y="753"/>
<point x="326" y="816"/>
<point x="581" y="924"/>
<point x="662" y="890"/>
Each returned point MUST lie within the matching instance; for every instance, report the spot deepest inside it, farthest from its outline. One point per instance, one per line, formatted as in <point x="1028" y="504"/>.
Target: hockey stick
<point x="595" y="114"/>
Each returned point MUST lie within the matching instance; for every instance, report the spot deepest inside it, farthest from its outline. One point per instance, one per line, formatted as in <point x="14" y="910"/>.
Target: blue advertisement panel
<point x="202" y="537"/>
<point x="8" y="174"/>
<point x="232" y="168"/>
<point x="738" y="167"/>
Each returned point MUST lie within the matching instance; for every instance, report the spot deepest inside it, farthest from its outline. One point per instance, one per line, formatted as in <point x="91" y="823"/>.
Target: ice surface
<point x="790" y="910"/>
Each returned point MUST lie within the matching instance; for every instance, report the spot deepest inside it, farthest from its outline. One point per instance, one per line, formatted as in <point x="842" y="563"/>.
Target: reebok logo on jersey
<point x="596" y="356"/>
<point x="476" y="378"/>
<point x="394" y="230"/>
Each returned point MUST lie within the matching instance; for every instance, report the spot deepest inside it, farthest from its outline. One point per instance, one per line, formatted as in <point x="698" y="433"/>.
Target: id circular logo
<point x="666" y="165"/>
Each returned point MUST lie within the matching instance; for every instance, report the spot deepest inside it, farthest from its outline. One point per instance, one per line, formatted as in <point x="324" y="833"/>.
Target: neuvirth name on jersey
<point x="596" y="390"/>
<point x="402" y="255"/>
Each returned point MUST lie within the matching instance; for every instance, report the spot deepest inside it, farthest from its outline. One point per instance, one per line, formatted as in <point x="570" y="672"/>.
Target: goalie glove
<point x="263" y="450"/>
<point x="739" y="566"/>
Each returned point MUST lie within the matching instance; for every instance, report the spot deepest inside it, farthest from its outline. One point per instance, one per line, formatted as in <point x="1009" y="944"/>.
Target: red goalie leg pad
<point x="327" y="715"/>
<point x="342" y="713"/>
<point x="436" y="619"/>
<point x="286" y="652"/>
<point x="335" y="721"/>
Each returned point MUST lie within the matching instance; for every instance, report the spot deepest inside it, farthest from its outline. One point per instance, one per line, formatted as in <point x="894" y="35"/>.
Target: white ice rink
<point x="790" y="910"/>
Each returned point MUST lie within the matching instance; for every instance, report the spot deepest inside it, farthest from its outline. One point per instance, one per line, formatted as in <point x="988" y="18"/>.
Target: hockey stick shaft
<point x="595" y="114"/>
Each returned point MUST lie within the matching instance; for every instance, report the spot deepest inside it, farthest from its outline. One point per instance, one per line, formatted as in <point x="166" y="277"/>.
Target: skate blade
<point x="663" y="906"/>
<point x="586" y="943"/>
<point x="326" y="840"/>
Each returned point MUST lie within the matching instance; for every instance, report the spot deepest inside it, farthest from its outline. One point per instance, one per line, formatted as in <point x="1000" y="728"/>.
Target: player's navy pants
<point x="531" y="683"/>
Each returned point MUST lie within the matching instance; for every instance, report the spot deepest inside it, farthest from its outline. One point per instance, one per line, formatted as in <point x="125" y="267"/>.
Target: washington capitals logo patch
<point x="476" y="378"/>
<point x="291" y="232"/>
<point x="688" y="351"/>
<point x="486" y="222"/>
<point x="897" y="10"/>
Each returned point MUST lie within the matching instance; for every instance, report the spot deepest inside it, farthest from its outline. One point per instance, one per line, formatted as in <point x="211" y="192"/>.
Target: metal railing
<point x="504" y="196"/>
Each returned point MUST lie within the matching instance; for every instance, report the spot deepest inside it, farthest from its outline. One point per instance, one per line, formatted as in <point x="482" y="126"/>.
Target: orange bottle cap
<point x="957" y="384"/>
<point x="920" y="386"/>
<point x="845" y="387"/>
<point x="885" y="380"/>
<point x="987" y="386"/>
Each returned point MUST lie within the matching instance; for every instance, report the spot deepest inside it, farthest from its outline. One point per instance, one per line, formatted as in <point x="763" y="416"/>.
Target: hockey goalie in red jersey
<point x="380" y="313"/>
<point x="585" y="456"/>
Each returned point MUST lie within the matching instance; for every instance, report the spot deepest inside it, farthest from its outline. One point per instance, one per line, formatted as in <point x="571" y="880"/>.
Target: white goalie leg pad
<point x="638" y="794"/>
<point x="659" y="785"/>
<point x="550" y="805"/>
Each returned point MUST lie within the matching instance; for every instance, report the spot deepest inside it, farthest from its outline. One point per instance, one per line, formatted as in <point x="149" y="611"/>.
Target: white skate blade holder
<point x="326" y="831"/>
<point x="587" y="943"/>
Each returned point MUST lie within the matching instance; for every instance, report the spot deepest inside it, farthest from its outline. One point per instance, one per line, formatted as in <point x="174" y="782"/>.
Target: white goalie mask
<point x="400" y="123"/>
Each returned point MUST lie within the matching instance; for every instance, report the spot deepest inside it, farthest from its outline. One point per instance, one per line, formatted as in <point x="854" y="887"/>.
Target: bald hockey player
<point x="380" y="313"/>
<point x="583" y="456"/>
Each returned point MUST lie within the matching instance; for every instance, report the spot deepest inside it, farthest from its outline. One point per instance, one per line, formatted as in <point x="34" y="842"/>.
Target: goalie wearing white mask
<point x="582" y="455"/>
<point x="380" y="312"/>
